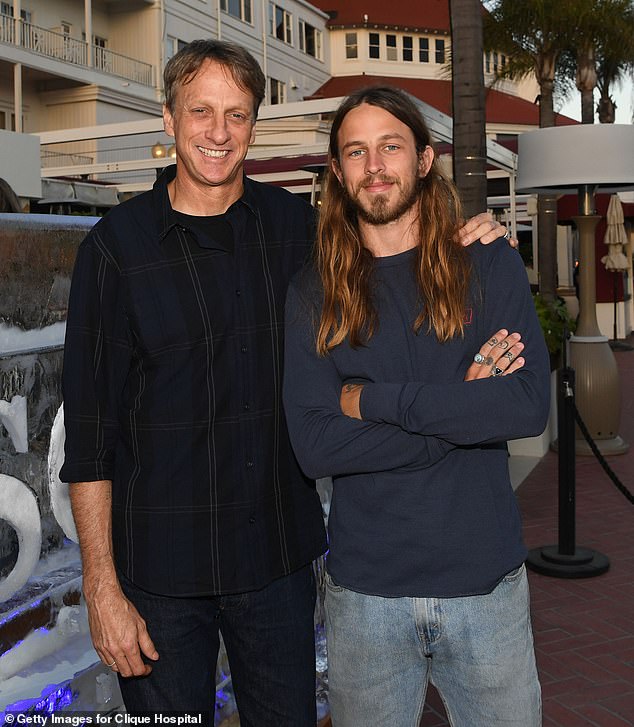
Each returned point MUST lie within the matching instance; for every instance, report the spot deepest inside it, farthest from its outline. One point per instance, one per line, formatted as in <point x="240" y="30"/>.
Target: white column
<point x="219" y="19"/>
<point x="88" y="26"/>
<point x="17" y="12"/>
<point x="264" y="51"/>
<point x="17" y="96"/>
<point x="513" y="227"/>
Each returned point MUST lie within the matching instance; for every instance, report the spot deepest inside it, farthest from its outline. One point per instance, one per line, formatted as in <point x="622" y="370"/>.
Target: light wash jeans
<point x="477" y="651"/>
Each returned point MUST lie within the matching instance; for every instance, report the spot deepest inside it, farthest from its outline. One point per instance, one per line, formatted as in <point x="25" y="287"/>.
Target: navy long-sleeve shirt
<point x="422" y="502"/>
<point x="172" y="390"/>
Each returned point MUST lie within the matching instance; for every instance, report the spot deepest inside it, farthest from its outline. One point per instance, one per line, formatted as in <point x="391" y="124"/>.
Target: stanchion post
<point x="566" y="560"/>
<point x="567" y="469"/>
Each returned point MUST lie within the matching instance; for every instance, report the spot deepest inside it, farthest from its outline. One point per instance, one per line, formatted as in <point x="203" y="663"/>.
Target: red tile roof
<point x="420" y="14"/>
<point x="501" y="108"/>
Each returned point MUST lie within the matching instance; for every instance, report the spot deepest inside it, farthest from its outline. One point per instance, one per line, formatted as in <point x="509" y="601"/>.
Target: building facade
<point x="66" y="64"/>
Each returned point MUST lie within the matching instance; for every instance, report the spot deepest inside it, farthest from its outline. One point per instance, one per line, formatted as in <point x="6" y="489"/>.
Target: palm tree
<point x="615" y="53"/>
<point x="469" y="116"/>
<point x="602" y="52"/>
<point x="533" y="34"/>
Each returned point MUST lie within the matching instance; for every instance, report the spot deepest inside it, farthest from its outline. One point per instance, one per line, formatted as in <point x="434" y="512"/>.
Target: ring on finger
<point x="496" y="371"/>
<point x="478" y="358"/>
<point x="507" y="235"/>
<point x="111" y="665"/>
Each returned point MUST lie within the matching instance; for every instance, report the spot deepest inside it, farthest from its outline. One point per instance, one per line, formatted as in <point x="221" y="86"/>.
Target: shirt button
<point x="238" y="293"/>
<point x="249" y="464"/>
<point x="244" y="349"/>
<point x="246" y="407"/>
<point x="252" y="520"/>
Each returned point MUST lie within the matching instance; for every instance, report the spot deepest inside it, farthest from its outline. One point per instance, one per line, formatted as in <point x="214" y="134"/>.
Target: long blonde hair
<point x="345" y="266"/>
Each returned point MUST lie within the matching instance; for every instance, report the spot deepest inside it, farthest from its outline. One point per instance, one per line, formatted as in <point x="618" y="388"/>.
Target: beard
<point x="379" y="211"/>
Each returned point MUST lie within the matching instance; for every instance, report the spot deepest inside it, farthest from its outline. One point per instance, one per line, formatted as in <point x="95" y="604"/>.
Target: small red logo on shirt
<point x="468" y="316"/>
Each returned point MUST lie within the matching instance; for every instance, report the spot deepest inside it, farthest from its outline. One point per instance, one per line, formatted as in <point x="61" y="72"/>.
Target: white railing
<point x="51" y="158"/>
<point x="70" y="50"/>
<point x="119" y="65"/>
<point x="7" y="29"/>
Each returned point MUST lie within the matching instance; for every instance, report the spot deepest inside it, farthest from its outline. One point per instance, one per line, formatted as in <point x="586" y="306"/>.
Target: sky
<point x="624" y="98"/>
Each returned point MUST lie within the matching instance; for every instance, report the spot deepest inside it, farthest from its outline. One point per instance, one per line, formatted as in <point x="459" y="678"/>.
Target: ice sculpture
<point x="13" y="416"/>
<point x="18" y="506"/>
<point x="60" y="499"/>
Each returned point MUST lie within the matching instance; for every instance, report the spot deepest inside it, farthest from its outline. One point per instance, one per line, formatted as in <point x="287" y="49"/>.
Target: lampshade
<point x="560" y="159"/>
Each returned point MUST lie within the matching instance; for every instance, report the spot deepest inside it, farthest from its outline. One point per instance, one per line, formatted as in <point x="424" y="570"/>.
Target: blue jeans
<point x="269" y="637"/>
<point x="477" y="651"/>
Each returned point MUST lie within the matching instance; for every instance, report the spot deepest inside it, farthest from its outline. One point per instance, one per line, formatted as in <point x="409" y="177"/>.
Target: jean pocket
<point x="331" y="585"/>
<point x="514" y="575"/>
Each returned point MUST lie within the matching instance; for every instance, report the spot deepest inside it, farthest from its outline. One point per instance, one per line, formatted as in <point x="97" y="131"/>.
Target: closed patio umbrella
<point x="616" y="261"/>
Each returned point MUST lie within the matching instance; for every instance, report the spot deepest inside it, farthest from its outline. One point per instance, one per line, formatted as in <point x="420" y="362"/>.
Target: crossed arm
<point x="488" y="406"/>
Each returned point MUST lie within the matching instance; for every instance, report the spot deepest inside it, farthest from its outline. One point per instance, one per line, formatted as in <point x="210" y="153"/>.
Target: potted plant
<point x="556" y="323"/>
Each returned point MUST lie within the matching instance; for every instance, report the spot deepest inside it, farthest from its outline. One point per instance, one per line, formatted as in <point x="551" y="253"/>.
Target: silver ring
<point x="496" y="371"/>
<point x="507" y="235"/>
<point x="478" y="358"/>
<point x="111" y="665"/>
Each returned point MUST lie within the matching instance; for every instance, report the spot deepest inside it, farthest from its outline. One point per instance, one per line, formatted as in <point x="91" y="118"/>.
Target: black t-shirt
<point x="216" y="228"/>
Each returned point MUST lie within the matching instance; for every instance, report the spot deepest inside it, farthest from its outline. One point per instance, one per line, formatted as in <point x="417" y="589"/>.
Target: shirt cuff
<point x="85" y="472"/>
<point x="380" y="403"/>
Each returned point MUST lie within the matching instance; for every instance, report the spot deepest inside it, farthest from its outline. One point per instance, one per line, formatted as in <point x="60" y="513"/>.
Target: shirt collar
<point x="162" y="202"/>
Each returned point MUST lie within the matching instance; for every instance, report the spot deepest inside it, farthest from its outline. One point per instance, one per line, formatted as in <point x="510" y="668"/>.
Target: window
<point x="65" y="27"/>
<point x="101" y="57"/>
<point x="390" y="42"/>
<point x="238" y="8"/>
<point x="6" y="8"/>
<point x="310" y="40"/>
<point x="3" y="116"/>
<point x="173" y="45"/>
<point x="352" y="49"/>
<point x="408" y="48"/>
<point x="423" y="50"/>
<point x="440" y="50"/>
<point x="374" y="46"/>
<point x="493" y="62"/>
<point x="280" y="23"/>
<point x="277" y="91"/>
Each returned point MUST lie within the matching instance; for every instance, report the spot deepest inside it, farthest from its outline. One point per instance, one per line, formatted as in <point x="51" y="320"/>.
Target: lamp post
<point x="583" y="159"/>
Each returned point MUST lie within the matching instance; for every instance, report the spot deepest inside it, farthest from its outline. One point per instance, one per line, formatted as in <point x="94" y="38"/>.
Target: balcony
<point x="61" y="47"/>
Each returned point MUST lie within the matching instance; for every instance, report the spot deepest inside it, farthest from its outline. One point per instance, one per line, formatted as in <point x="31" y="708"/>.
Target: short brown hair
<point x="244" y="69"/>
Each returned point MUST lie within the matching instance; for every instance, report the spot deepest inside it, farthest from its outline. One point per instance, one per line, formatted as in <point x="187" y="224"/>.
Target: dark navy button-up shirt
<point x="172" y="389"/>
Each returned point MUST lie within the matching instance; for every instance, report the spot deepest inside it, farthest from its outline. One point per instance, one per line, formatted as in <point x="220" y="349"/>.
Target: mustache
<point x="380" y="178"/>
